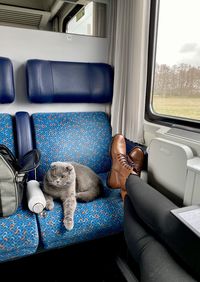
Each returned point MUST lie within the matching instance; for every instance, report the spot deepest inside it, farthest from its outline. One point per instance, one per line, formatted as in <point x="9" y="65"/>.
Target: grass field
<point x="177" y="106"/>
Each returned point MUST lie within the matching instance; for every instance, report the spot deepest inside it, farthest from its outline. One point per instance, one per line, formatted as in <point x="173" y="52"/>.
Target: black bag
<point x="13" y="177"/>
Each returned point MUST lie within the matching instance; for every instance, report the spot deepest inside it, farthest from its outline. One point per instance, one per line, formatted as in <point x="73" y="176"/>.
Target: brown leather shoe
<point x="136" y="159"/>
<point x="121" y="168"/>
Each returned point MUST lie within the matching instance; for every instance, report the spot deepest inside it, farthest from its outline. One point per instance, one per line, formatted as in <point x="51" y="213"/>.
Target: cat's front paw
<point x="49" y="205"/>
<point x="69" y="224"/>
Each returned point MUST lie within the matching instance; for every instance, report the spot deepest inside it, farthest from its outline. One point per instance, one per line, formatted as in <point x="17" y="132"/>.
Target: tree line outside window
<point x="177" y="80"/>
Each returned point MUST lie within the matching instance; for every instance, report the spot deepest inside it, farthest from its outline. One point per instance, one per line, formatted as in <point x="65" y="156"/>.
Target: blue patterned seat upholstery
<point x="83" y="137"/>
<point x="6" y="132"/>
<point x="93" y="220"/>
<point x="19" y="232"/>
<point x="19" y="235"/>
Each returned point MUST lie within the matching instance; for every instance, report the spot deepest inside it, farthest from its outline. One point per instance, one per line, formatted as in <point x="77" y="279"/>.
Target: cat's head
<point x="61" y="174"/>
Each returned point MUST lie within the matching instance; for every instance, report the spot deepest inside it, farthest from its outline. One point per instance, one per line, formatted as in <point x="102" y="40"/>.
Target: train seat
<point x="19" y="232"/>
<point x="74" y="136"/>
<point x="7" y="89"/>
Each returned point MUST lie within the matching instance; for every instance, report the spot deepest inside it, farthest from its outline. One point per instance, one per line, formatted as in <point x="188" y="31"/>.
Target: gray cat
<point x="68" y="182"/>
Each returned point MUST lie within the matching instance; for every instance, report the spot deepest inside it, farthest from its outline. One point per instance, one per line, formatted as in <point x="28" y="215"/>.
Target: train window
<point x="175" y="81"/>
<point x="89" y="20"/>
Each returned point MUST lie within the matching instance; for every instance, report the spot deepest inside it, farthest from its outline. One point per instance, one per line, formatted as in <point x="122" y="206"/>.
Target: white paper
<point x="192" y="217"/>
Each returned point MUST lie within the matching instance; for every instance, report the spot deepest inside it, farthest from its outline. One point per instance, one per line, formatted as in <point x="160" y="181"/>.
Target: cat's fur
<point x="68" y="182"/>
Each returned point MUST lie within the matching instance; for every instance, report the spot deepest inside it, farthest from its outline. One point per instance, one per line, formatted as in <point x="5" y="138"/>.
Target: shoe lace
<point x="123" y="159"/>
<point x="133" y="165"/>
<point x="130" y="161"/>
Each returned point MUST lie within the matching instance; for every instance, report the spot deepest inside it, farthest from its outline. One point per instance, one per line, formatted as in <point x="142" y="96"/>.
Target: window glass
<point x="90" y="20"/>
<point x="81" y="23"/>
<point x="176" y="90"/>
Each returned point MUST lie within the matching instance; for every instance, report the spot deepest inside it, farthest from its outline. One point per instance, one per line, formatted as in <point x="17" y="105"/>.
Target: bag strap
<point x="8" y="155"/>
<point x="30" y="161"/>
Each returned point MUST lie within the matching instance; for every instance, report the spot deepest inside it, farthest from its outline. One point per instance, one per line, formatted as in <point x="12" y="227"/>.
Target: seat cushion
<point x="82" y="137"/>
<point x="93" y="220"/>
<point x="19" y="235"/>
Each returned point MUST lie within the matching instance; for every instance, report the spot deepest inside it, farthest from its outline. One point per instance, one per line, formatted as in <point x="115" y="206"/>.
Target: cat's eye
<point x="62" y="176"/>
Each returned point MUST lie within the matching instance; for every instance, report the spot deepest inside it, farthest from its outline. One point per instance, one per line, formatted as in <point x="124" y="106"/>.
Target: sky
<point x="179" y="32"/>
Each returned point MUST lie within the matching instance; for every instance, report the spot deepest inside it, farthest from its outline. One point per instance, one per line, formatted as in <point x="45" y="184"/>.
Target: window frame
<point x="68" y="17"/>
<point x="150" y="115"/>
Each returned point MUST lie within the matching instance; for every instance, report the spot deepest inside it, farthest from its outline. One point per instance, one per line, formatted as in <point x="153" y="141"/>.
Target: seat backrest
<point x="7" y="90"/>
<point x="83" y="137"/>
<point x="80" y="137"/>
<point x="72" y="82"/>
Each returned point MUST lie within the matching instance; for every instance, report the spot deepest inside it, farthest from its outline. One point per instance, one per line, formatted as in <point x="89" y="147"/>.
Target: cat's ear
<point x="53" y="165"/>
<point x="68" y="167"/>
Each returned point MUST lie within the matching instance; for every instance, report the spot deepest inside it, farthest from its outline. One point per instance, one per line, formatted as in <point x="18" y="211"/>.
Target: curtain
<point x="128" y="49"/>
<point x="111" y="31"/>
<point x="99" y="19"/>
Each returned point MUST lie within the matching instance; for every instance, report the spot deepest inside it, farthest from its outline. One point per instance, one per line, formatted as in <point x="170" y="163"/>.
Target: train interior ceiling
<point x="43" y="15"/>
<point x="82" y="71"/>
<point x="35" y="14"/>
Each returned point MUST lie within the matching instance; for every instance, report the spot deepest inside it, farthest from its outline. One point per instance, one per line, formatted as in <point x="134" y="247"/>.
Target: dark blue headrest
<point x="7" y="90"/>
<point x="52" y="81"/>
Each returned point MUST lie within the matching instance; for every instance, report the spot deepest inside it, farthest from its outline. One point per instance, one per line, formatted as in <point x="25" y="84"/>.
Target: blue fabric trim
<point x="24" y="135"/>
